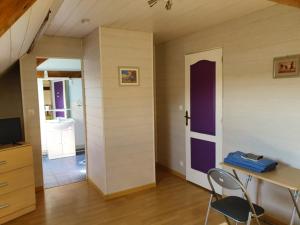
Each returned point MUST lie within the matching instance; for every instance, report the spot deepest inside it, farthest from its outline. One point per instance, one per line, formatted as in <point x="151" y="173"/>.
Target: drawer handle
<point x="3" y="162"/>
<point x="3" y="206"/>
<point x="3" y="184"/>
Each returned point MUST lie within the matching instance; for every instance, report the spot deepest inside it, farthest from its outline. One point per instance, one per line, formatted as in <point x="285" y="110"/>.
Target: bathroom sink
<point x="60" y="123"/>
<point x="60" y="138"/>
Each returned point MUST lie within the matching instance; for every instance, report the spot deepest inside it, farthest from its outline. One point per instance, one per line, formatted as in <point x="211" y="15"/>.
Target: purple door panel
<point x="203" y="155"/>
<point x="59" y="98"/>
<point x="203" y="97"/>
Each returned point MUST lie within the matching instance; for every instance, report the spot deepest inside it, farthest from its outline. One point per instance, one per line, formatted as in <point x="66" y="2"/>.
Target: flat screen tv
<point x="10" y="131"/>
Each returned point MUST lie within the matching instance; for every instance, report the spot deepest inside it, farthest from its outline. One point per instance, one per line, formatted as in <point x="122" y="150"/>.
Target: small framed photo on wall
<point x="287" y="66"/>
<point x="129" y="76"/>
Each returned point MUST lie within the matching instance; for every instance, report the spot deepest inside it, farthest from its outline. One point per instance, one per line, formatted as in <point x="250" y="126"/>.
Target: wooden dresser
<point x="17" y="188"/>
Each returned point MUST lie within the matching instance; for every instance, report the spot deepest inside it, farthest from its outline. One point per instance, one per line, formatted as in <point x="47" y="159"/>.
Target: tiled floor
<point x="58" y="172"/>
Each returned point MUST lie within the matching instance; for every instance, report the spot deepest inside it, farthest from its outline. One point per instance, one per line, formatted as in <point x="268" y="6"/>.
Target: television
<point x="10" y="131"/>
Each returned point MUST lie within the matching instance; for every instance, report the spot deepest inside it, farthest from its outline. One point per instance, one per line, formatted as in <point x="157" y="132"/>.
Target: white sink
<point x="59" y="123"/>
<point x="60" y="138"/>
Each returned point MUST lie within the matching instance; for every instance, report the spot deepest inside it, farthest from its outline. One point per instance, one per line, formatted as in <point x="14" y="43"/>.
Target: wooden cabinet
<point x="17" y="188"/>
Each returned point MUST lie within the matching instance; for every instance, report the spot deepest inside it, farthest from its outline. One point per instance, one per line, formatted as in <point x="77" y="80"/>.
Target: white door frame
<point x="212" y="55"/>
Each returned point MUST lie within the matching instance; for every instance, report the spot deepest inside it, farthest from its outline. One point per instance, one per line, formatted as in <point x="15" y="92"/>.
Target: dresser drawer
<point x="16" y="179"/>
<point x="15" y="201"/>
<point x="15" y="159"/>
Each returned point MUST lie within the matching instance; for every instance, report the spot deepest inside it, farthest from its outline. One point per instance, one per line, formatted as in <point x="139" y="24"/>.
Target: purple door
<point x="203" y="114"/>
<point x="59" y="98"/>
<point x="203" y="105"/>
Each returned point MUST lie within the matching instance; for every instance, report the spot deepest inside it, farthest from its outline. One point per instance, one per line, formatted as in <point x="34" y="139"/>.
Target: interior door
<point x="203" y="83"/>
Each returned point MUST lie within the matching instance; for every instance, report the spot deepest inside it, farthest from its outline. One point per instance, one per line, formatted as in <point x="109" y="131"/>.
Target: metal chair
<point x="240" y="210"/>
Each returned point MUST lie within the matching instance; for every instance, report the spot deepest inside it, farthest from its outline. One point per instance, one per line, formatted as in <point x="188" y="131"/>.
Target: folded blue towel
<point x="260" y="166"/>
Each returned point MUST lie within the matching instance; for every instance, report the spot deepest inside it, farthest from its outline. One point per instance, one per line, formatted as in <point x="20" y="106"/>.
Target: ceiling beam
<point x="40" y="60"/>
<point x="11" y="11"/>
<point x="58" y="74"/>
<point x="294" y="3"/>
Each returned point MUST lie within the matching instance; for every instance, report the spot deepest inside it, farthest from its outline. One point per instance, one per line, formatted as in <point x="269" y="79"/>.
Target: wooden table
<point x="283" y="176"/>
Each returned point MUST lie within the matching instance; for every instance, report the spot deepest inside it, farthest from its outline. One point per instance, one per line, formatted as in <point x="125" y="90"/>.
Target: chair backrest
<point x="224" y="179"/>
<point x="228" y="181"/>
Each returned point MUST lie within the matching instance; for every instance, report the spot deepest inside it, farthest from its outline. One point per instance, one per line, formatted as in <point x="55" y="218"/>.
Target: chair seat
<point x="236" y="208"/>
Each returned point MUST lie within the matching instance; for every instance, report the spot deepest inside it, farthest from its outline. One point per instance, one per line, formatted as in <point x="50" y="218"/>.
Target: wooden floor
<point x="173" y="202"/>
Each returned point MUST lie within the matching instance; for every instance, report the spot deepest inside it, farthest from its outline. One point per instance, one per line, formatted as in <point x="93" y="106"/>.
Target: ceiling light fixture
<point x="169" y="3"/>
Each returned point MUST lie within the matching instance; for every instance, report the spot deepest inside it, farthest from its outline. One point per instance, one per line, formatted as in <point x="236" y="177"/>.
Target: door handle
<point x="2" y="163"/>
<point x="187" y="118"/>
<point x="3" y="206"/>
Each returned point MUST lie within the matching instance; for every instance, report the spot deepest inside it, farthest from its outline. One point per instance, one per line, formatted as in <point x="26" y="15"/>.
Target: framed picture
<point x="129" y="76"/>
<point x="287" y="66"/>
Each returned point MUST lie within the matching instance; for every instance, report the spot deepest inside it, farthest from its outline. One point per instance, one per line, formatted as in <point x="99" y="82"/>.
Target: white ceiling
<point x="186" y="16"/>
<point x="60" y="65"/>
<point x="17" y="40"/>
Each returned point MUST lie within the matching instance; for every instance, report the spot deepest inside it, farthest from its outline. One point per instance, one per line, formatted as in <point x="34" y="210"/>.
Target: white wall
<point x="128" y="111"/>
<point x="94" y="111"/>
<point x="260" y="114"/>
<point x="120" y="120"/>
<point x="55" y="47"/>
<point x="77" y="110"/>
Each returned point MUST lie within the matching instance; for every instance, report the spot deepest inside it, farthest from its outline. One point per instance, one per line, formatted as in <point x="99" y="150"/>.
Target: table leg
<point x="249" y="178"/>
<point x="295" y="197"/>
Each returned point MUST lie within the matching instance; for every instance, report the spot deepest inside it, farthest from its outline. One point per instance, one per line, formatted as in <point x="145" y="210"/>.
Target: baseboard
<point x="39" y="189"/>
<point x="129" y="191"/>
<point x="121" y="193"/>
<point x="95" y="186"/>
<point x="271" y="220"/>
<point x="175" y="173"/>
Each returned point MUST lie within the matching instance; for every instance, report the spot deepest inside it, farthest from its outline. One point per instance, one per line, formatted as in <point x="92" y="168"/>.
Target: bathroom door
<point x="203" y="72"/>
<point x="59" y="98"/>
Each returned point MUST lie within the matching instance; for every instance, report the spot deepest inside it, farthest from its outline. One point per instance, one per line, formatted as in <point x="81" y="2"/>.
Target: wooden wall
<point x="128" y="111"/>
<point x="15" y="42"/>
<point x="55" y="47"/>
<point x="94" y="111"/>
<point x="260" y="114"/>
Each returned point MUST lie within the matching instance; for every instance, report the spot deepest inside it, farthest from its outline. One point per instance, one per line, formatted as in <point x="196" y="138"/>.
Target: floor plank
<point x="173" y="202"/>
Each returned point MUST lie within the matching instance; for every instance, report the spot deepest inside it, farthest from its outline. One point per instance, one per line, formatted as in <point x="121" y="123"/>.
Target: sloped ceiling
<point x="185" y="17"/>
<point x="11" y="11"/>
<point x="16" y="41"/>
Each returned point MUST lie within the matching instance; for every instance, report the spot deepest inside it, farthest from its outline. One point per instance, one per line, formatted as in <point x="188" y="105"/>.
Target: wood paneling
<point x="11" y="11"/>
<point x="128" y="111"/>
<point x="15" y="42"/>
<point x="47" y="47"/>
<point x="70" y="74"/>
<point x="250" y="96"/>
<point x="40" y="60"/>
<point x="295" y="3"/>
<point x="94" y="111"/>
<point x="185" y="17"/>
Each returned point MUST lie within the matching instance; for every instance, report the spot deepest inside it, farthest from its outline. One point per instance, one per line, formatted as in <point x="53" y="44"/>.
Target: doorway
<point x="60" y="91"/>
<point x="203" y="76"/>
